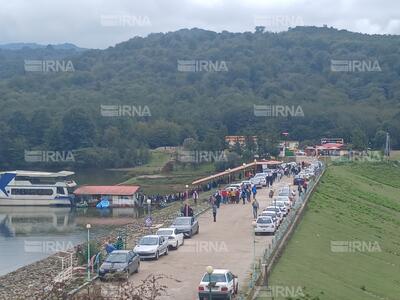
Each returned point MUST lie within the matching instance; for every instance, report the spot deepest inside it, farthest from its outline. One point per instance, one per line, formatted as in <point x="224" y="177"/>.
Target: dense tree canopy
<point x="62" y="110"/>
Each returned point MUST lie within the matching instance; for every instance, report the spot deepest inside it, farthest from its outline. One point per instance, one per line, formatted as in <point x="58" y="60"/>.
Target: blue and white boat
<point x="32" y="188"/>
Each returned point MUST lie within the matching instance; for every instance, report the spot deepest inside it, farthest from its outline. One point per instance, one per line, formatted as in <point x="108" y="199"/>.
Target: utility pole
<point x="387" y="145"/>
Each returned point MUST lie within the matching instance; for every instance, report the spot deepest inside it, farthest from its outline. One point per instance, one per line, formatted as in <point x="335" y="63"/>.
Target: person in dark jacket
<point x="214" y="211"/>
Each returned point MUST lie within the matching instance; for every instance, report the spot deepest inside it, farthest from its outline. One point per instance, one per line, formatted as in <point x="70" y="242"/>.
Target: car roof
<point x="151" y="235"/>
<point x="166" y="228"/>
<point x="121" y="251"/>
<point x="264" y="217"/>
<point x="183" y="218"/>
<point x="220" y="271"/>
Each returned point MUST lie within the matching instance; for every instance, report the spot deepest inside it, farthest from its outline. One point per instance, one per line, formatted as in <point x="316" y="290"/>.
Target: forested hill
<point x="61" y="110"/>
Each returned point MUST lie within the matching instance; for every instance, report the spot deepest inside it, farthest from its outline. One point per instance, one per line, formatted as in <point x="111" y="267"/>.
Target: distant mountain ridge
<point x="20" y="46"/>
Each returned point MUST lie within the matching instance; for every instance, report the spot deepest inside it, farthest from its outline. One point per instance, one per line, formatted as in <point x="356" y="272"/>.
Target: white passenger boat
<point x="32" y="188"/>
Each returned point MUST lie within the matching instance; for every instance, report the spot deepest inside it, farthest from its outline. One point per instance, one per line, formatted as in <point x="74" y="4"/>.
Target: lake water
<point x="28" y="234"/>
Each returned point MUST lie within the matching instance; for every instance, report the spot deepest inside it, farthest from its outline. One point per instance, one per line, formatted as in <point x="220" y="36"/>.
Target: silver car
<point x="119" y="263"/>
<point x="151" y="246"/>
<point x="186" y="225"/>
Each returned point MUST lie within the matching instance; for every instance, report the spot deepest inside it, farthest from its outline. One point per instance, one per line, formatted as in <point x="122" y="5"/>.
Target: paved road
<point x="227" y="243"/>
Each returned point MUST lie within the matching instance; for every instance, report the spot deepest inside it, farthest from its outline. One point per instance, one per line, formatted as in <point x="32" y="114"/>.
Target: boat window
<point x="60" y="190"/>
<point x="46" y="192"/>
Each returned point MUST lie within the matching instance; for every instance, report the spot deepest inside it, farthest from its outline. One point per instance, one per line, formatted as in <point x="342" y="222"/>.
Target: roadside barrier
<point x="263" y="267"/>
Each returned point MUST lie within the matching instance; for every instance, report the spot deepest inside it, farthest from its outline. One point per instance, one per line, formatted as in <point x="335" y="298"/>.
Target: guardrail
<point x="265" y="264"/>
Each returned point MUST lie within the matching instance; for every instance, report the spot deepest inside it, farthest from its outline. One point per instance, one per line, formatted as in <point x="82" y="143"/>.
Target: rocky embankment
<point x="34" y="281"/>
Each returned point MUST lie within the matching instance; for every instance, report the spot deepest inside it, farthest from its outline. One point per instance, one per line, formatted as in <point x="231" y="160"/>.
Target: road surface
<point x="226" y="244"/>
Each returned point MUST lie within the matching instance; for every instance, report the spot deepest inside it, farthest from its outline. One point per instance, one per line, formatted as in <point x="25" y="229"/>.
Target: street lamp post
<point x="209" y="270"/>
<point x="149" y="209"/>
<point x="187" y="192"/>
<point x="88" y="226"/>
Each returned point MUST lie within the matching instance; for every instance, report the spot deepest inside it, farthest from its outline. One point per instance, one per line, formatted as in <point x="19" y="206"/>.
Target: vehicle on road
<point x="119" y="263"/>
<point x="224" y="285"/>
<point x="186" y="225"/>
<point x="271" y="214"/>
<point x="277" y="210"/>
<point x="298" y="180"/>
<point x="174" y="238"/>
<point x="264" y="224"/>
<point x="151" y="246"/>
<point x="285" y="205"/>
<point x="259" y="180"/>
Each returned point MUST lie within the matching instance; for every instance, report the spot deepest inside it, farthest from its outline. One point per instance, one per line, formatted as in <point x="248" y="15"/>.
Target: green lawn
<point x="153" y="181"/>
<point x="354" y="202"/>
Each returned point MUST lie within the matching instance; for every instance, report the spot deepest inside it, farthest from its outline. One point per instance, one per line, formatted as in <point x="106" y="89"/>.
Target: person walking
<point x="243" y="196"/>
<point x="271" y="193"/>
<point x="254" y="191"/>
<point x="255" y="206"/>
<point x="195" y="196"/>
<point x="214" y="211"/>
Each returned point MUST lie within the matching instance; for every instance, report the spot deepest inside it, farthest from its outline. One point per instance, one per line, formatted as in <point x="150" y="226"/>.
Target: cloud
<point x="82" y="22"/>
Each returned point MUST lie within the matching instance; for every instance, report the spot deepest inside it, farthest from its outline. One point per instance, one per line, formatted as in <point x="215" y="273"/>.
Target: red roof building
<point x="118" y="195"/>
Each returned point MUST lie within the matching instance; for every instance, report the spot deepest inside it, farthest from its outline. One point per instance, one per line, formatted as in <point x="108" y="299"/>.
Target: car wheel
<point x="166" y="251"/>
<point x="190" y="234"/>
<point x="198" y="230"/>
<point x="157" y="255"/>
<point x="177" y="244"/>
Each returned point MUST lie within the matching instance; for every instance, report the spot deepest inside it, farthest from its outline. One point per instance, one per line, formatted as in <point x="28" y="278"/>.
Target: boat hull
<point x="34" y="202"/>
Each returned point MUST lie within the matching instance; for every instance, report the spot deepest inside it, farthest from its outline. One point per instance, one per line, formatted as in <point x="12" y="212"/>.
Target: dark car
<point x="186" y="225"/>
<point x="298" y="180"/>
<point x="119" y="263"/>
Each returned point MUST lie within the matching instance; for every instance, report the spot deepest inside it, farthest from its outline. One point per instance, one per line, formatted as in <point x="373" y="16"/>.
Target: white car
<point x="174" y="238"/>
<point x="264" y="224"/>
<point x="288" y="200"/>
<point x="277" y="210"/>
<point x="151" y="246"/>
<point x="259" y="180"/>
<point x="223" y="284"/>
<point x="285" y="204"/>
<point x="273" y="215"/>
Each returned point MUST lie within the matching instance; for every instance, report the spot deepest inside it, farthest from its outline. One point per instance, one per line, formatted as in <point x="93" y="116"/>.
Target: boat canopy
<point x="40" y="174"/>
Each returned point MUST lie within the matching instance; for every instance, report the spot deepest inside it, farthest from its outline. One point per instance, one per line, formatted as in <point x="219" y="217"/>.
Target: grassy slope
<point x="354" y="202"/>
<point x="172" y="182"/>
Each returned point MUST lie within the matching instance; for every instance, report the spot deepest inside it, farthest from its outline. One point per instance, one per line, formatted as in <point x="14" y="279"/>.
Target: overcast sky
<point x="103" y="23"/>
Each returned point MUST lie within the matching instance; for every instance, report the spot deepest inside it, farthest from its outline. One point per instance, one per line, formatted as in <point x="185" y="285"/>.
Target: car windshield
<point x="264" y="221"/>
<point x="269" y="214"/>
<point x="214" y="278"/>
<point x="147" y="240"/>
<point x="182" y="221"/>
<point x="116" y="258"/>
<point x="164" y="232"/>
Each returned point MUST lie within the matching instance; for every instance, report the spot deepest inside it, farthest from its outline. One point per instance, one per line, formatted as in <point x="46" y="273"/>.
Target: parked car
<point x="235" y="186"/>
<point x="298" y="180"/>
<point x="284" y="204"/>
<point x="264" y="224"/>
<point x="224" y="285"/>
<point x="119" y="263"/>
<point x="151" y="246"/>
<point x="259" y="180"/>
<point x="186" y="225"/>
<point x="174" y="238"/>
<point x="288" y="199"/>
<point x="273" y="215"/>
<point x="277" y="210"/>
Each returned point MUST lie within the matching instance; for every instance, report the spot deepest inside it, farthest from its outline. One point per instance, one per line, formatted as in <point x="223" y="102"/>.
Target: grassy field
<point x="354" y="203"/>
<point x="153" y="181"/>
